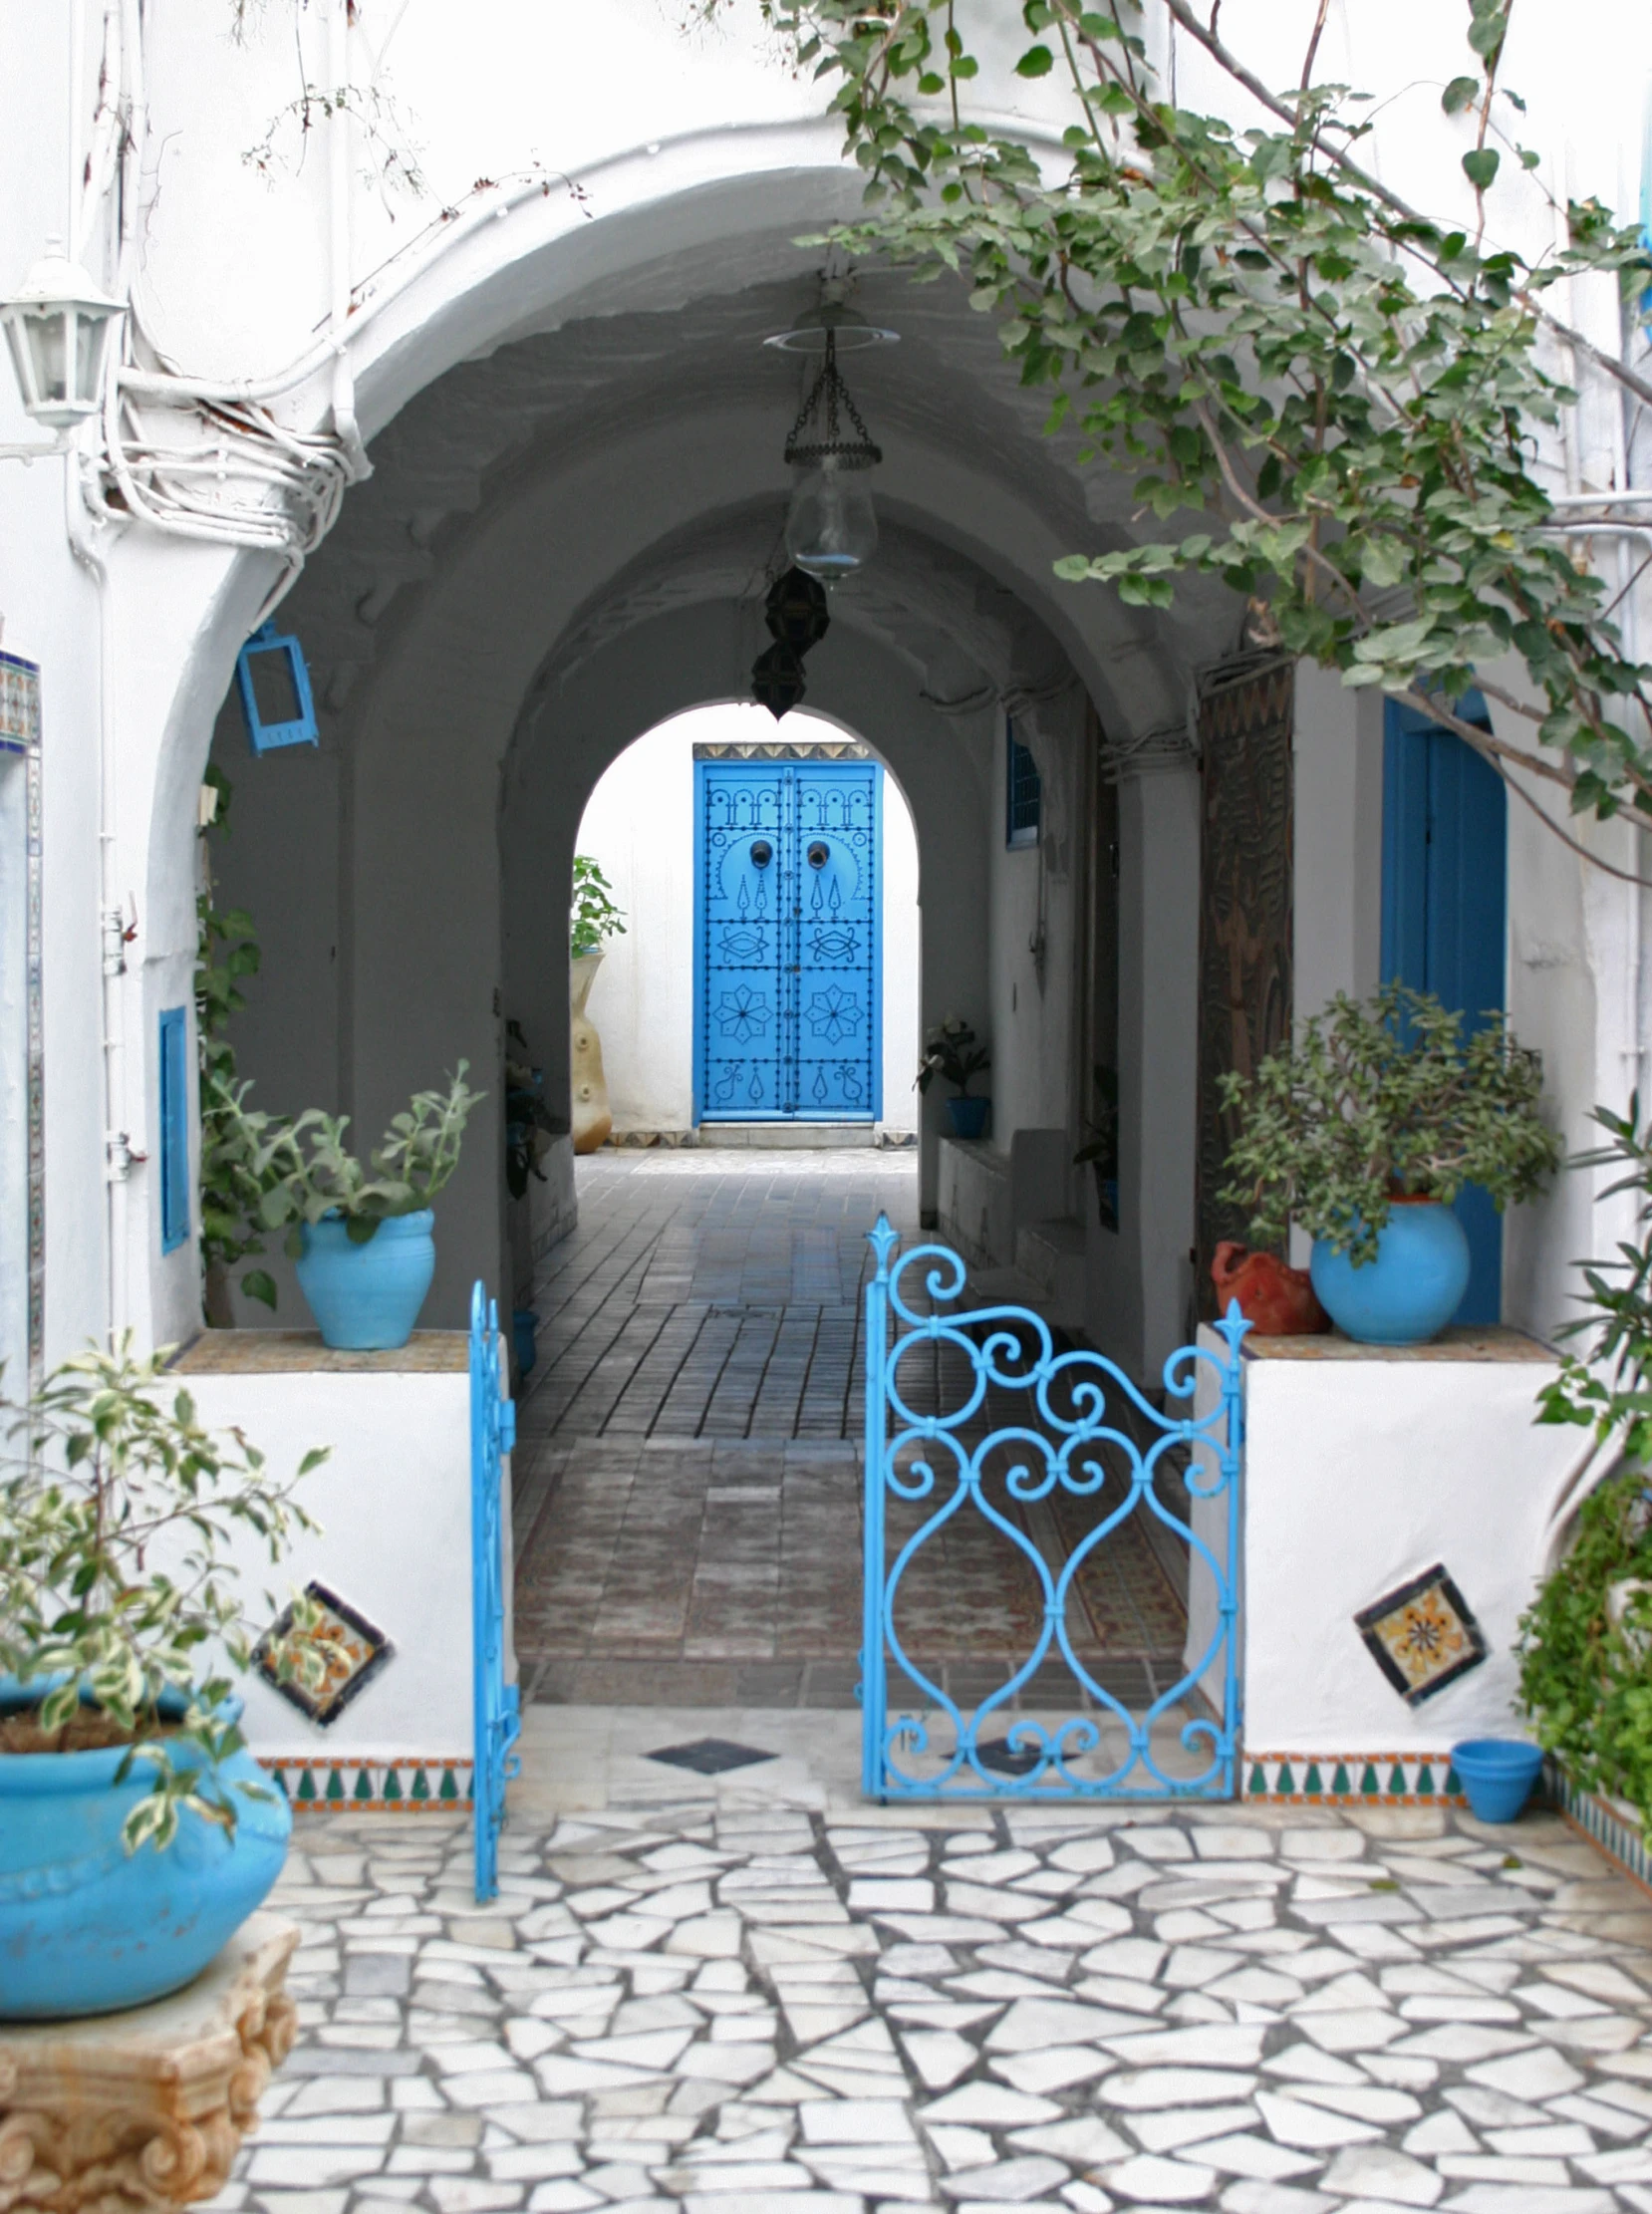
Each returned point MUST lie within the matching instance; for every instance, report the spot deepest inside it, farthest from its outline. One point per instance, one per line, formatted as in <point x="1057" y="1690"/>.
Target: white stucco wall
<point x="639" y="826"/>
<point x="394" y="1507"/>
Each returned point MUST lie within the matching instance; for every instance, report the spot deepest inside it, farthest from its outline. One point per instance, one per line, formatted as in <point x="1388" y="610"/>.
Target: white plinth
<point x="1364" y="1467"/>
<point x="393" y="1502"/>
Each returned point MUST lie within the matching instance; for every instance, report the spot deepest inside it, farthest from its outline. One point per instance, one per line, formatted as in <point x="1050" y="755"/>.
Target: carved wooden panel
<point x="1245" y="852"/>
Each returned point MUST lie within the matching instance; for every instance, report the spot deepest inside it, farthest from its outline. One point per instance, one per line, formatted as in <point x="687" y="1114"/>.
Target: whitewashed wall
<point x="638" y="825"/>
<point x="698" y="162"/>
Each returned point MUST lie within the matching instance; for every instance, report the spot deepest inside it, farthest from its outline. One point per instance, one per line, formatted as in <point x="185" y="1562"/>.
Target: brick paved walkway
<point x="687" y="1472"/>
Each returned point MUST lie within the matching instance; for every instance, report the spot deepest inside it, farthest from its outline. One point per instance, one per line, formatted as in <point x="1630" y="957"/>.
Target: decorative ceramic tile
<point x="357" y="1650"/>
<point x="1613" y="1826"/>
<point x="1422" y="1636"/>
<point x="409" y="1787"/>
<point x="709" y="1755"/>
<point x="1352" y="1778"/>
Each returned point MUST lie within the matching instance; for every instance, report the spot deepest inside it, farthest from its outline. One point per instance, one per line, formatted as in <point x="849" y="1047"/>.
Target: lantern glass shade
<point x="58" y="329"/>
<point x="831" y="525"/>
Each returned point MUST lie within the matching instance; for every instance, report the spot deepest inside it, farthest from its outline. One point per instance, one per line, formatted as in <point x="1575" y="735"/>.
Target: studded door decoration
<point x="788" y="913"/>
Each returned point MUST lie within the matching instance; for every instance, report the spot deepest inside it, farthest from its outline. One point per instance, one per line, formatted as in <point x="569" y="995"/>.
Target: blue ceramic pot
<point x="366" y="1299"/>
<point x="1411" y="1290"/>
<point x="524" y="1325"/>
<point x="1498" y="1774"/>
<point x="969" y="1117"/>
<point x="87" y="1927"/>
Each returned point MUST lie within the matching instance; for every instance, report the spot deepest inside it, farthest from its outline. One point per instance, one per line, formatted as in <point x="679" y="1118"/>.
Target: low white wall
<point x="638" y="825"/>
<point x="393" y="1502"/>
<point x="1361" y="1472"/>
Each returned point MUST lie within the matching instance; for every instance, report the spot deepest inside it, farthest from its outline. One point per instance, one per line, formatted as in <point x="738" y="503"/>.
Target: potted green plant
<point x="951" y="1049"/>
<point x="1364" y="1131"/>
<point x="361" y="1236"/>
<point x="593" y="919"/>
<point x="136" y="1832"/>
<point x="1587" y="1641"/>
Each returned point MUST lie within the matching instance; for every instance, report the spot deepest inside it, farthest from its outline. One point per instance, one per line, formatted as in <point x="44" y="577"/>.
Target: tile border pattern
<point x="342" y="1785"/>
<point x="1349" y="1778"/>
<point x="1607" y="1823"/>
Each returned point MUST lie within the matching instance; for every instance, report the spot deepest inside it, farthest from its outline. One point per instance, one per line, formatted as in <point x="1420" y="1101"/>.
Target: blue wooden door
<point x="1445" y="911"/>
<point x="789" y="1019"/>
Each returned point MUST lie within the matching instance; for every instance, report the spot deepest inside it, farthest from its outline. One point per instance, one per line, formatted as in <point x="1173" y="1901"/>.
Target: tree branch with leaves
<point x="1347" y="394"/>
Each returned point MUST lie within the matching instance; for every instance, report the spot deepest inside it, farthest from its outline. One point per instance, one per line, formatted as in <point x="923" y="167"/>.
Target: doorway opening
<point x="765" y="987"/>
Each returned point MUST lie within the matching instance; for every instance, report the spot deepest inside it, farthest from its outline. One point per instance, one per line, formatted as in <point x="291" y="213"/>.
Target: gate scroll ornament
<point x="496" y="1719"/>
<point x="1085" y="1407"/>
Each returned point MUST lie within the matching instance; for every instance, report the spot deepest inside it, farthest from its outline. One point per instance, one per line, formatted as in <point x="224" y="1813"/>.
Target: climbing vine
<point x="1343" y="392"/>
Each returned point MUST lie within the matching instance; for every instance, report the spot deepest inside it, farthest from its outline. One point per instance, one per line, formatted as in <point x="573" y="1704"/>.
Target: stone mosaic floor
<point x="750" y="1995"/>
<point x="688" y="1480"/>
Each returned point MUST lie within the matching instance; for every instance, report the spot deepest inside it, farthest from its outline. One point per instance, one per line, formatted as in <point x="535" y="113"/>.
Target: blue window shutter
<point x="175" y="1127"/>
<point x="1445" y="912"/>
<point x="1023" y="793"/>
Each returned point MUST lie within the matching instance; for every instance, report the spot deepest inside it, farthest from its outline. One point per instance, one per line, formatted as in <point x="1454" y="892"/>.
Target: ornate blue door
<point x="789" y="883"/>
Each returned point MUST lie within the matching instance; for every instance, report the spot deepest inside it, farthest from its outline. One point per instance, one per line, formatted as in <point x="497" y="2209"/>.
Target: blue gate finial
<point x="883" y="1237"/>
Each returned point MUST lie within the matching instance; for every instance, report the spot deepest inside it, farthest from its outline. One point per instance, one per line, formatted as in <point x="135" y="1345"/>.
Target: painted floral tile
<point x="1422" y="1636"/>
<point x="355" y="1649"/>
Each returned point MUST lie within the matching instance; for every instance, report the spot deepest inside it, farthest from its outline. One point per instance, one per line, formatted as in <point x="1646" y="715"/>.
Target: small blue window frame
<point x="175" y="1127"/>
<point x="265" y="736"/>
<point x="1023" y="792"/>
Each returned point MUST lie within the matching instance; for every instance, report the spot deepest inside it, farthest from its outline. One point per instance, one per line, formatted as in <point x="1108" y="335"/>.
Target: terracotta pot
<point x="1275" y="1301"/>
<point x="591" y="1116"/>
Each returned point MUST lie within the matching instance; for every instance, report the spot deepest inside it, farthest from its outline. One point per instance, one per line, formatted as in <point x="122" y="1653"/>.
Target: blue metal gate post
<point x="872" y="1692"/>
<point x="495" y="1714"/>
<point x="1232" y="1460"/>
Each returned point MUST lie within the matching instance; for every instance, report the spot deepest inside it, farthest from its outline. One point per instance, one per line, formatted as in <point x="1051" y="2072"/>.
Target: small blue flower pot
<point x="1498" y="1774"/>
<point x="87" y="1927"/>
<point x="366" y="1299"/>
<point x="1411" y="1290"/>
<point x="969" y="1116"/>
<point x="525" y="1322"/>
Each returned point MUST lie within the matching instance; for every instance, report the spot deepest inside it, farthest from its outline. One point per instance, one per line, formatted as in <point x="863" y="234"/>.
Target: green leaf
<point x="1458" y="94"/>
<point x="1479" y="166"/>
<point x="1037" y="61"/>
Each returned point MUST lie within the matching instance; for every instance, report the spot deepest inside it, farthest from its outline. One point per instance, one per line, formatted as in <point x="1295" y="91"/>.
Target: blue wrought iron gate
<point x="788" y="866"/>
<point x="495" y="1717"/>
<point x="941" y="1477"/>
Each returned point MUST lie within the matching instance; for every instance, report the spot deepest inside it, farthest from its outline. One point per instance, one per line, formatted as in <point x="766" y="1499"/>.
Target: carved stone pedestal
<point x="125" y="2114"/>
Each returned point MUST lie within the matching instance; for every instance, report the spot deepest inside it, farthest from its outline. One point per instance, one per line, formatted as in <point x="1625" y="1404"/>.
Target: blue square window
<point x="175" y="1127"/>
<point x="275" y="692"/>
<point x="1025" y="793"/>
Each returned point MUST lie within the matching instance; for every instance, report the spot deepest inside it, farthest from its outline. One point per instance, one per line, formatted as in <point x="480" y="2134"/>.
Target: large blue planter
<point x="366" y="1299"/>
<point x="1411" y="1290"/>
<point x="87" y="1927"/>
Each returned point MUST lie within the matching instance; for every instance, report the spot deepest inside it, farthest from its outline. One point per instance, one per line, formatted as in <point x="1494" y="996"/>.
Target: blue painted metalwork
<point x="1445" y="843"/>
<point x="788" y="905"/>
<point x="175" y="1127"/>
<point x="1079" y="1406"/>
<point x="274" y="684"/>
<point x="496" y="1717"/>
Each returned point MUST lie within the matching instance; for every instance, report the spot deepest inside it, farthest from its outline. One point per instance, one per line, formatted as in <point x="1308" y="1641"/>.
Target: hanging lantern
<point x="795" y="612"/>
<point x="58" y="327"/>
<point x="777" y="680"/>
<point x="831" y="526"/>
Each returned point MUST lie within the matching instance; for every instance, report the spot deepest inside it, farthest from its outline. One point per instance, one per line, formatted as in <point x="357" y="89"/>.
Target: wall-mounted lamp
<point x="275" y="692"/>
<point x="58" y="327"/>
<point x="831" y="525"/>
